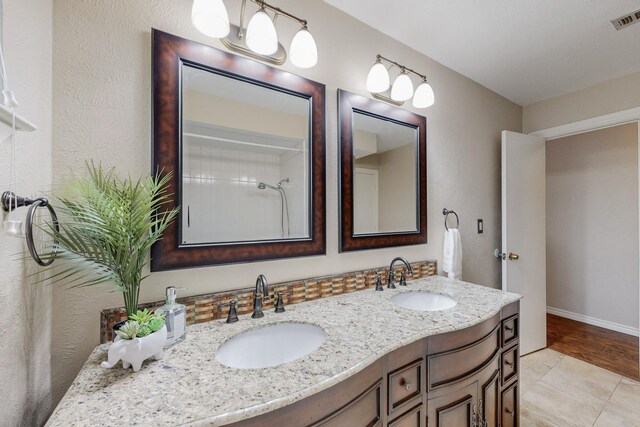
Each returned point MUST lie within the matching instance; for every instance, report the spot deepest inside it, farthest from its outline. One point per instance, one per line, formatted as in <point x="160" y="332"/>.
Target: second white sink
<point x="423" y="301"/>
<point x="270" y="346"/>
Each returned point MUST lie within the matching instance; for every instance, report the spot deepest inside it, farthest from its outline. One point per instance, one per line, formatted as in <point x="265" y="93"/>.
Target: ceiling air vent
<point x="626" y="20"/>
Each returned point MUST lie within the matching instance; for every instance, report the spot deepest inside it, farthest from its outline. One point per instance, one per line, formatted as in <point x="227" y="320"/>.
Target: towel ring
<point x="10" y="201"/>
<point x="29" y="230"/>
<point x="446" y="213"/>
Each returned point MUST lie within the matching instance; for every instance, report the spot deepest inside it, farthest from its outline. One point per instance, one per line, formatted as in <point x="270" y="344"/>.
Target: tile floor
<point x="558" y="390"/>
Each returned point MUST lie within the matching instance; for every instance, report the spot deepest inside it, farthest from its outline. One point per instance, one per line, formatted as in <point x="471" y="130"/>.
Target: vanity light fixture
<point x="378" y="83"/>
<point x="260" y="39"/>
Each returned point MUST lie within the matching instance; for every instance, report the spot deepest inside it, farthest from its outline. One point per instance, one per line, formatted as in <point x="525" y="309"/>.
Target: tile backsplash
<point x="205" y="307"/>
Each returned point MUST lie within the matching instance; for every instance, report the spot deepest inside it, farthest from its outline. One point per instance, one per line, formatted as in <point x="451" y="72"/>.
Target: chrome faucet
<point x="391" y="279"/>
<point x="259" y="295"/>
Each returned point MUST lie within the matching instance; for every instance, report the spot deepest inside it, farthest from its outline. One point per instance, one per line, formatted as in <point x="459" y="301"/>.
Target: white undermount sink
<point x="423" y="301"/>
<point x="270" y="346"/>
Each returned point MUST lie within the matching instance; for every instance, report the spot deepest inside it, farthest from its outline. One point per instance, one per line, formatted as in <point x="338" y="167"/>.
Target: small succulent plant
<point x="143" y="316"/>
<point x="129" y="330"/>
<point x="141" y="324"/>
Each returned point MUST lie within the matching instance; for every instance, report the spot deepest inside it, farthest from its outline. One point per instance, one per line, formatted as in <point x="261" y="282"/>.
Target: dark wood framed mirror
<point x="383" y="174"/>
<point x="246" y="145"/>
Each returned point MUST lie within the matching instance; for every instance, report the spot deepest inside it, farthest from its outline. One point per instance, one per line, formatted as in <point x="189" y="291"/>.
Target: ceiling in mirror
<point x="246" y="145"/>
<point x="383" y="188"/>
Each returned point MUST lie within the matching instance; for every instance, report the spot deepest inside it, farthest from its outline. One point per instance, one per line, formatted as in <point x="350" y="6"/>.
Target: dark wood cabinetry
<point x="489" y="405"/>
<point x="466" y="378"/>
<point x="510" y="406"/>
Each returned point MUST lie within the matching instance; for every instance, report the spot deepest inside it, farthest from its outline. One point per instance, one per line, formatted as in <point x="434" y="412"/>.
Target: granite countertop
<point x="188" y="386"/>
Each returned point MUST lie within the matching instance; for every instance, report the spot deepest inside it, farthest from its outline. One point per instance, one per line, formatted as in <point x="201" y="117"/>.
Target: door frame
<point x="375" y="173"/>
<point x="631" y="115"/>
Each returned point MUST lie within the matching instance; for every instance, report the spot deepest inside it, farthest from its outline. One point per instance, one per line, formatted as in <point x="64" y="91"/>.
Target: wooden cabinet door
<point x="412" y="418"/>
<point x="456" y="409"/>
<point x="489" y="400"/>
<point x="510" y="413"/>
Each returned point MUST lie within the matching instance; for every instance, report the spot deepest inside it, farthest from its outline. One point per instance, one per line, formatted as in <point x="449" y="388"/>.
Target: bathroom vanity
<point x="380" y="364"/>
<point x="463" y="378"/>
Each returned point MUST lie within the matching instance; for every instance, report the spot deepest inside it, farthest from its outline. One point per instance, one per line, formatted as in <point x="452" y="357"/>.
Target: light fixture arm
<point x="402" y="67"/>
<point x="243" y="8"/>
<point x="277" y="11"/>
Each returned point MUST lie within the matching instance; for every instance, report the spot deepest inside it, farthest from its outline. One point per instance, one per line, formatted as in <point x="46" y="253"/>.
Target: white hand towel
<point x="452" y="254"/>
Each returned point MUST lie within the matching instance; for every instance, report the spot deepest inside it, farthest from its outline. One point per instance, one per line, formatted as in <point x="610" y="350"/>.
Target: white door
<point x="524" y="233"/>
<point x="365" y="201"/>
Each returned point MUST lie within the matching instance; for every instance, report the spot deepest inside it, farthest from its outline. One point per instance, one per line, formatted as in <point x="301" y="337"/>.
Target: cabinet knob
<point x="513" y="256"/>
<point x="509" y="328"/>
<point x="508" y="363"/>
<point x="406" y="384"/>
<point x="509" y="412"/>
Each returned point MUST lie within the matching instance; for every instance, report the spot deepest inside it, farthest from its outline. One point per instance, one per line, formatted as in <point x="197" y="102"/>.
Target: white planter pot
<point x="134" y="352"/>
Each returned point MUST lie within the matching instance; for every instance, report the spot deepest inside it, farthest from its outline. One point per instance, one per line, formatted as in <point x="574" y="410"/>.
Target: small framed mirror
<point x="246" y="145"/>
<point x="383" y="174"/>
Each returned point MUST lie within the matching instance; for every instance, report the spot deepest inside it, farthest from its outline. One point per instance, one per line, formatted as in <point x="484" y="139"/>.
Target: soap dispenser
<point x="175" y="318"/>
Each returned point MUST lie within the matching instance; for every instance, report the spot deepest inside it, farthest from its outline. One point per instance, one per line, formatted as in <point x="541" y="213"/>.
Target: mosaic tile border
<point x="204" y="308"/>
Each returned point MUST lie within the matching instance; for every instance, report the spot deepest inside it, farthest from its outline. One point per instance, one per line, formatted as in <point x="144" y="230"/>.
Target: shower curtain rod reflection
<point x="284" y="206"/>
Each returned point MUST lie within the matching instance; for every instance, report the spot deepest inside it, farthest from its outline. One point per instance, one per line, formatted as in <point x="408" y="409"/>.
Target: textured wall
<point x="604" y="98"/>
<point x="102" y="70"/>
<point x="592" y="224"/>
<point x="25" y="318"/>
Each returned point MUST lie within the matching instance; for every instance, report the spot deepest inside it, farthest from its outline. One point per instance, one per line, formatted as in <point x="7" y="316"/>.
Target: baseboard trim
<point x="593" y="321"/>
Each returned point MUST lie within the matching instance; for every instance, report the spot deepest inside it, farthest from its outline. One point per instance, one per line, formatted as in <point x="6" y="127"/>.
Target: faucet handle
<point x="403" y="279"/>
<point x="391" y="280"/>
<point x="379" y="283"/>
<point x="233" y="312"/>
<point x="280" y="303"/>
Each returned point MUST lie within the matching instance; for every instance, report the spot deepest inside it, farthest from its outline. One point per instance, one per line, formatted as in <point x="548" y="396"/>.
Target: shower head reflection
<point x="262" y="186"/>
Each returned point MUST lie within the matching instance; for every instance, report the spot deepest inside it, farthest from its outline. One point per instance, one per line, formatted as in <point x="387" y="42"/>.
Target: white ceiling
<point x="525" y="50"/>
<point x="389" y="135"/>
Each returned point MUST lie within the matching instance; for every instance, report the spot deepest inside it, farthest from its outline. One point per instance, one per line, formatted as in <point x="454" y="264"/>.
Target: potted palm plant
<point x="106" y="229"/>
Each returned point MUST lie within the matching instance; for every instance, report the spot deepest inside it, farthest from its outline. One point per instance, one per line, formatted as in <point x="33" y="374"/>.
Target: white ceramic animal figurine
<point x="134" y="352"/>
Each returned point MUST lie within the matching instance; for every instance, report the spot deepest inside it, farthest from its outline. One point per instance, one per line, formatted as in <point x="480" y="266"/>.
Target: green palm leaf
<point x="107" y="227"/>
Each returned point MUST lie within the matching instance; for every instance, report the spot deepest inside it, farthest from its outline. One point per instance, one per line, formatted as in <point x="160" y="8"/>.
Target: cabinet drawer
<point x="455" y="365"/>
<point x="412" y="418"/>
<point x="510" y="363"/>
<point x="509" y="331"/>
<point x="404" y="386"/>
<point x="509" y="414"/>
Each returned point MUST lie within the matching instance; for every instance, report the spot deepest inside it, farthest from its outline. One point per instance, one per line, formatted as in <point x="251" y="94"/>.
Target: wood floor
<point x="608" y="349"/>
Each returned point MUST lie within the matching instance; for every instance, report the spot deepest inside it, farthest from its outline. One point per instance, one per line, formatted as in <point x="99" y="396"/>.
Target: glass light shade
<point x="423" y="97"/>
<point x="378" y="78"/>
<point x="303" y="51"/>
<point x="261" y="34"/>
<point x="210" y="18"/>
<point x="402" y="88"/>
